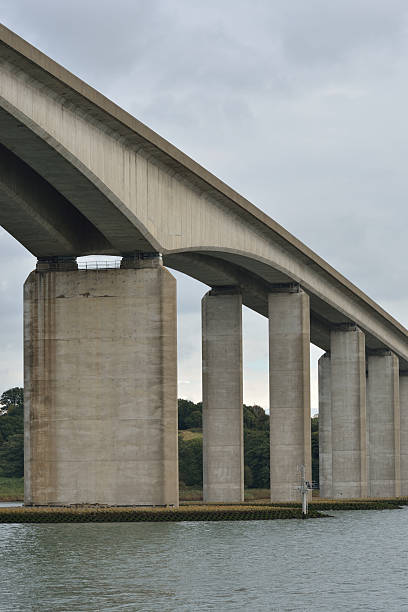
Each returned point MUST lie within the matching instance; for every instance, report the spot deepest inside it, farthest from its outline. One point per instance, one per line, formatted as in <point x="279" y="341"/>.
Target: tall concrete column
<point x="101" y="385"/>
<point x="223" y="446"/>
<point x="325" y="426"/>
<point x="348" y="391"/>
<point x="404" y="431"/>
<point x="383" y="416"/>
<point x="289" y="381"/>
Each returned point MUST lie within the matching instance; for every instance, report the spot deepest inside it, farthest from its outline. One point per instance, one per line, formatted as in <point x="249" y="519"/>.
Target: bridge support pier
<point x="223" y="447"/>
<point x="325" y="426"/>
<point x="383" y="416"/>
<point x="289" y="383"/>
<point x="101" y="385"/>
<point x="403" y="387"/>
<point x="348" y="392"/>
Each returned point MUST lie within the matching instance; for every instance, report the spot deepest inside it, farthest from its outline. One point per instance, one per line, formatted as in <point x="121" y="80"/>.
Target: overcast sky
<point x="300" y="106"/>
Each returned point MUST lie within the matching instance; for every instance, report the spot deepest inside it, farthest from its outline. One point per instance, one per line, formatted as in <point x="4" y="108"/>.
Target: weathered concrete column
<point x="383" y="416"/>
<point x="289" y="382"/>
<point x="403" y="386"/>
<point x="223" y="446"/>
<point x="325" y="426"/>
<point x="348" y="391"/>
<point x="101" y="385"/>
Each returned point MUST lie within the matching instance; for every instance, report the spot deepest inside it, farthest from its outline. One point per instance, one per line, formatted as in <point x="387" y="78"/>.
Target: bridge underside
<point x="61" y="213"/>
<point x="58" y="198"/>
<point x="256" y="281"/>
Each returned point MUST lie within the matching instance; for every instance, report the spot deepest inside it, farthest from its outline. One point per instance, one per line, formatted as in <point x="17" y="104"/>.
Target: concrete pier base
<point x="289" y="375"/>
<point x="100" y="386"/>
<point x="348" y="392"/>
<point x="403" y="388"/>
<point x="383" y="416"/>
<point x="325" y="427"/>
<point x="223" y="447"/>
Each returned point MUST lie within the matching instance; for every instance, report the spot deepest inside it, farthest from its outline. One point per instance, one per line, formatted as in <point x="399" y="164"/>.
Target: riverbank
<point x="12" y="489"/>
<point x="200" y="512"/>
<point x="190" y="512"/>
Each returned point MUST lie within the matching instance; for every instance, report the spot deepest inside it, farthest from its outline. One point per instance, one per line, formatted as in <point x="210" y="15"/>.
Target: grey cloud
<point x="320" y="32"/>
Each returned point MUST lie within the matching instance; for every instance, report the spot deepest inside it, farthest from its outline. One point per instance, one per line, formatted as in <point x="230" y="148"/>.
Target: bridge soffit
<point x="139" y="198"/>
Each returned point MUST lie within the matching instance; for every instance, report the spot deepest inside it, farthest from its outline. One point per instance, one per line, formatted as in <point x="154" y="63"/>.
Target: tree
<point x="12" y="456"/>
<point x="12" y="433"/>
<point x="315" y="450"/>
<point x="12" y="397"/>
<point x="255" y="417"/>
<point x="12" y="422"/>
<point x="256" y="457"/>
<point x="190" y="415"/>
<point x="191" y="461"/>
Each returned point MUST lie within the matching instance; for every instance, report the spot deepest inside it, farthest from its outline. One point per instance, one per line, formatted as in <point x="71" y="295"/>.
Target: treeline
<point x="12" y="433"/>
<point x="190" y="415"/>
<point x="256" y="446"/>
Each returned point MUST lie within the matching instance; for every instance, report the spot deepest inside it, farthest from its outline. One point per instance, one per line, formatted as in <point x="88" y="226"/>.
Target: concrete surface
<point x="135" y="191"/>
<point x="348" y="392"/>
<point x="383" y="417"/>
<point x="403" y="390"/>
<point x="325" y="426"/>
<point x="289" y="384"/>
<point x="79" y="175"/>
<point x="101" y="387"/>
<point x="223" y="444"/>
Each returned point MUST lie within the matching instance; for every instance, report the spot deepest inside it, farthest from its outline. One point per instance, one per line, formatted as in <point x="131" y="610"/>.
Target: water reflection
<point x="357" y="561"/>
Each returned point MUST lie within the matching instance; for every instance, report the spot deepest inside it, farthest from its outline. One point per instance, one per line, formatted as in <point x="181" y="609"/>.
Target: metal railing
<point x="99" y="265"/>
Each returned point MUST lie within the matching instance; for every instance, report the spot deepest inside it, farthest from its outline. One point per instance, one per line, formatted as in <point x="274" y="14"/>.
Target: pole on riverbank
<point x="304" y="489"/>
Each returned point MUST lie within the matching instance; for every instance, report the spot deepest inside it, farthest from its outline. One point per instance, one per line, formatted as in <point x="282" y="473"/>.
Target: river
<point x="354" y="561"/>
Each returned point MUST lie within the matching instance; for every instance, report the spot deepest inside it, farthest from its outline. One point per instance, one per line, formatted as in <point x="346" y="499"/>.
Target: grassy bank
<point x="256" y="506"/>
<point x="11" y="489"/>
<point x="193" y="494"/>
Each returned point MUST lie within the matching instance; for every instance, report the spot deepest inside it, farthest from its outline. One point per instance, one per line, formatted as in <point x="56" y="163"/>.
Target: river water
<point x="354" y="561"/>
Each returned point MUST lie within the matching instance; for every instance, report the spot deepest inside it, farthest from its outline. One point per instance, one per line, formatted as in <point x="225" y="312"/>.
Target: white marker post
<point x="304" y="489"/>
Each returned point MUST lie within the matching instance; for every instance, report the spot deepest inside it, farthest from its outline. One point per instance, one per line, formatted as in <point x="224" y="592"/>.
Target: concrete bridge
<point x="80" y="176"/>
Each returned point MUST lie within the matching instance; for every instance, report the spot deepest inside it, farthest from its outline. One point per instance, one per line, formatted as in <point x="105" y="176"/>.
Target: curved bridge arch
<point x="124" y="189"/>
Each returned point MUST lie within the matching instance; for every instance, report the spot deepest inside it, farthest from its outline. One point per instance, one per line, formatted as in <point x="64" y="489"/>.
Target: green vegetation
<point x="11" y="489"/>
<point x="256" y="448"/>
<point x="195" y="494"/>
<point x="256" y="445"/>
<point x="315" y="450"/>
<point x="191" y="461"/>
<point x="12" y="433"/>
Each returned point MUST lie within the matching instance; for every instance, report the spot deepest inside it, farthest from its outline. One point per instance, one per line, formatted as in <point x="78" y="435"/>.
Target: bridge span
<point x="80" y="176"/>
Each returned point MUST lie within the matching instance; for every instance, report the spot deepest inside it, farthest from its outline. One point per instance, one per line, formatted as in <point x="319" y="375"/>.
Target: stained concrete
<point x="101" y="387"/>
<point x="403" y="389"/>
<point x="132" y="190"/>
<point x="383" y="416"/>
<point x="289" y="376"/>
<point x="223" y="448"/>
<point x="348" y="392"/>
<point x="325" y="426"/>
